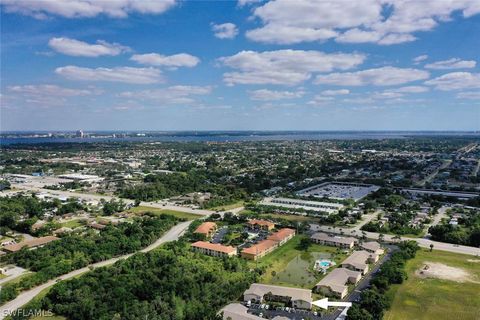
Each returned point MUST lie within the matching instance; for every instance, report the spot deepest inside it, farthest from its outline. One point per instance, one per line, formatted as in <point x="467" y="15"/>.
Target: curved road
<point x="171" y="235"/>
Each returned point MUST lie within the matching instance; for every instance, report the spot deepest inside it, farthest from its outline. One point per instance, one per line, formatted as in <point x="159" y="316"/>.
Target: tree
<point x="431" y="247"/>
<point x="357" y="313"/>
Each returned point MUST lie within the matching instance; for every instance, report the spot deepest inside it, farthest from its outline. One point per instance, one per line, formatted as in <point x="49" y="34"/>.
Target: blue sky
<point x="228" y="65"/>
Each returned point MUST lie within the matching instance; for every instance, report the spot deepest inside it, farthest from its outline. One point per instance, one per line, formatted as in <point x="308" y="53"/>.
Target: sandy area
<point x="474" y="260"/>
<point x="442" y="271"/>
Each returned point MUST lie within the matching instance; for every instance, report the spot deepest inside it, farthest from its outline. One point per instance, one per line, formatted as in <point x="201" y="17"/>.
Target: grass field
<point x="286" y="260"/>
<point x="178" y="214"/>
<point x="72" y="224"/>
<point x="228" y="206"/>
<point x="426" y="299"/>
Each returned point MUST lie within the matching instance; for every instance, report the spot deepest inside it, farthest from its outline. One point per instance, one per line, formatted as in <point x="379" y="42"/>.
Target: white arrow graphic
<point x="324" y="303"/>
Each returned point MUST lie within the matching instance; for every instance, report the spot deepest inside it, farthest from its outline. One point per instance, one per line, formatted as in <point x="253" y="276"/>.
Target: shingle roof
<point x="30" y="243"/>
<point x="214" y="246"/>
<point x="295" y="293"/>
<point x="337" y="279"/>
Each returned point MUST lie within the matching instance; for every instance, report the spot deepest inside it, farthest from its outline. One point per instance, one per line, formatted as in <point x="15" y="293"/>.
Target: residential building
<point x="336" y="282"/>
<point x="359" y="260"/>
<point x="282" y="236"/>
<point x="327" y="240"/>
<point x="214" y="249"/>
<point x="259" y="250"/>
<point x="207" y="229"/>
<point x="264" y="247"/>
<point x="34" y="243"/>
<point x="295" y="297"/>
<point x="372" y="247"/>
<point x="261" y="224"/>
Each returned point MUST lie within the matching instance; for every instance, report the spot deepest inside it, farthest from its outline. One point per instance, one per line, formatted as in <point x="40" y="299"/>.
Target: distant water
<point x="237" y="136"/>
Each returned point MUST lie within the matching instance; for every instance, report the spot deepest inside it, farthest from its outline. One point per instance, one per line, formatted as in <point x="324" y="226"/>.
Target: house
<point x="259" y="250"/>
<point x="207" y="228"/>
<point x="261" y="224"/>
<point x="359" y="260"/>
<point x="97" y="226"/>
<point x="214" y="249"/>
<point x="282" y="236"/>
<point x="34" y="243"/>
<point x="295" y="297"/>
<point x="372" y="247"/>
<point x="327" y="240"/>
<point x="336" y="282"/>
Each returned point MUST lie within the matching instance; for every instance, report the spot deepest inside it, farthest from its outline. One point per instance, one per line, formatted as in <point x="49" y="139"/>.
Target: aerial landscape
<point x="240" y="160"/>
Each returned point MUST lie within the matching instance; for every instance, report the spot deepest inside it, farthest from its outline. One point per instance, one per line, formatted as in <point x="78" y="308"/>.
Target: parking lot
<point x="269" y="312"/>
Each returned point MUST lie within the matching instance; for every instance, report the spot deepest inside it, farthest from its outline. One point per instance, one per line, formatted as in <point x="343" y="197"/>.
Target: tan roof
<point x="206" y="227"/>
<point x="358" y="259"/>
<point x="214" y="246"/>
<point x="30" y="243"/>
<point x="295" y="293"/>
<point x="337" y="279"/>
<point x="325" y="237"/>
<point x="372" y="245"/>
<point x="281" y="234"/>
<point x="236" y="311"/>
<point x="261" y="223"/>
<point x="260" y="247"/>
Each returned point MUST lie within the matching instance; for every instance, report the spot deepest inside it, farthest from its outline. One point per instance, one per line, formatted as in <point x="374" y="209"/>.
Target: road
<point x="173" y="234"/>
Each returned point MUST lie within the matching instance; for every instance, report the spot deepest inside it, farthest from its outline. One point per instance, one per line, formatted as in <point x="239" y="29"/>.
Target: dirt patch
<point x="474" y="260"/>
<point x="442" y="271"/>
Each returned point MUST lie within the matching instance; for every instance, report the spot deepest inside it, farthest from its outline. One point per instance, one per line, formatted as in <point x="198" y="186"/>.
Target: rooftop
<point x="206" y="227"/>
<point x="295" y="293"/>
<point x="214" y="246"/>
<point x="30" y="243"/>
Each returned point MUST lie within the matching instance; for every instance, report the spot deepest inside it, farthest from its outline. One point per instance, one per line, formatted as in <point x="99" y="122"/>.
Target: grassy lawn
<point x="237" y="204"/>
<point x="293" y="267"/>
<point x="72" y="224"/>
<point x="178" y="214"/>
<point x="438" y="299"/>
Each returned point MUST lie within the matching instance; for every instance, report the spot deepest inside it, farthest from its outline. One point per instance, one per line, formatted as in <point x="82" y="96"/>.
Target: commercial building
<point x="266" y="246"/>
<point x="34" y="243"/>
<point x="214" y="249"/>
<point x="339" y="190"/>
<point x="261" y="224"/>
<point x="336" y="282"/>
<point x="372" y="247"/>
<point x="291" y="203"/>
<point x="295" y="297"/>
<point x="207" y="229"/>
<point x="359" y="260"/>
<point x="81" y="177"/>
<point x="334" y="241"/>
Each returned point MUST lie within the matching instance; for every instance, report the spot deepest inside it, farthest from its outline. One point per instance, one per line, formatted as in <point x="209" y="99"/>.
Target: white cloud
<point x="242" y="3"/>
<point x="384" y="22"/>
<point x="225" y="30"/>
<point x="266" y="95"/>
<point x="472" y="95"/>
<point x="174" y="61"/>
<point x="454" y="63"/>
<point x="47" y="95"/>
<point x="455" y="81"/>
<point x="419" y="59"/>
<point x="320" y="100"/>
<point x="78" y="48"/>
<point x="410" y="89"/>
<point x="85" y="8"/>
<point x="173" y="95"/>
<point x="50" y="90"/>
<point x="385" y="76"/>
<point x="287" y="67"/>
<point x="118" y="74"/>
<point x="335" y="92"/>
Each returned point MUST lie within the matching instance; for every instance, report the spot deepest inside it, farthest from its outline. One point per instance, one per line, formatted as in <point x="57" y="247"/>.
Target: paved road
<point x="26" y="296"/>
<point x="422" y="242"/>
<point x="12" y="273"/>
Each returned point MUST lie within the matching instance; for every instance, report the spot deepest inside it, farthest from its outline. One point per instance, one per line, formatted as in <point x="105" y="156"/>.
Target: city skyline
<point x="246" y="65"/>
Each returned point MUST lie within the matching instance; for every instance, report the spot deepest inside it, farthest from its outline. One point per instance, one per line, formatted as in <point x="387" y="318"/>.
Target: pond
<point x="299" y="270"/>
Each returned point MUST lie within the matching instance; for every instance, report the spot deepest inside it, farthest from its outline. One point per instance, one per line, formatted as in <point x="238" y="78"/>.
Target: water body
<point x="233" y="136"/>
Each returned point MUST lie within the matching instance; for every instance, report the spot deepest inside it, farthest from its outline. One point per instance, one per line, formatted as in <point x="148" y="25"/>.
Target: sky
<point x="240" y="65"/>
